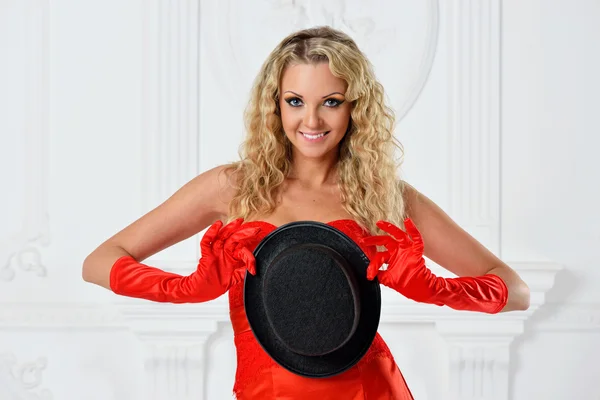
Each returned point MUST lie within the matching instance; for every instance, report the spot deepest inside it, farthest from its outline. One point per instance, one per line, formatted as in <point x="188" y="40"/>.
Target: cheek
<point x="289" y="119"/>
<point x="341" y="121"/>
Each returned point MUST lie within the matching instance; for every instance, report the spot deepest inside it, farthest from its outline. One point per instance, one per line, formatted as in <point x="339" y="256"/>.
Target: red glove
<point x="225" y="259"/>
<point x="408" y="274"/>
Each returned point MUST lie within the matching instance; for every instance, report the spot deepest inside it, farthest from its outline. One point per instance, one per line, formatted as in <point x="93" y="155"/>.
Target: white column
<point x="479" y="353"/>
<point x="473" y="36"/>
<point x="175" y="339"/>
<point x="24" y="99"/>
<point x="479" y="344"/>
<point x="170" y="111"/>
<point x="175" y="371"/>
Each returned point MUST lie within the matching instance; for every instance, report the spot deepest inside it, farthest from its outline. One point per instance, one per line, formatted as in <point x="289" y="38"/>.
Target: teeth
<point x="313" y="137"/>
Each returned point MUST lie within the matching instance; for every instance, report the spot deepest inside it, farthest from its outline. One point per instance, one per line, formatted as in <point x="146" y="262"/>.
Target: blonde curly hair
<point x="367" y="167"/>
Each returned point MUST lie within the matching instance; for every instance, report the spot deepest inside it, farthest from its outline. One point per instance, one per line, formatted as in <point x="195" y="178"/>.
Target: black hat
<point x="310" y="304"/>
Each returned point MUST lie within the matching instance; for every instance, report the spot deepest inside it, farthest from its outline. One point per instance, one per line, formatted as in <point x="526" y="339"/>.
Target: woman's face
<point x="314" y="112"/>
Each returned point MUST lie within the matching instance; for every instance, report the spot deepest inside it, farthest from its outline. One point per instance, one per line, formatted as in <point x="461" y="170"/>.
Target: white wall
<point x="551" y="188"/>
<point x="108" y="107"/>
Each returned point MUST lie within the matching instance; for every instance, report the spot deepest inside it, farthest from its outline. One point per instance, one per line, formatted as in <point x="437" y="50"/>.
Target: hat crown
<point x="311" y="299"/>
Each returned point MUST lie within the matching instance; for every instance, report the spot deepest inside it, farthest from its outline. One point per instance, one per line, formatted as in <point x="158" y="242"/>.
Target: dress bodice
<point x="351" y="228"/>
<point x="376" y="376"/>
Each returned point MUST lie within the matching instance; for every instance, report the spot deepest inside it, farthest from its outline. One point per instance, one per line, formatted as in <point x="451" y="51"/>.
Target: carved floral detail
<point x="22" y="381"/>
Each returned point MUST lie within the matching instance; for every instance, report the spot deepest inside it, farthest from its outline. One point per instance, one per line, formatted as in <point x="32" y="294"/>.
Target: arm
<point x="454" y="249"/>
<point x="188" y="211"/>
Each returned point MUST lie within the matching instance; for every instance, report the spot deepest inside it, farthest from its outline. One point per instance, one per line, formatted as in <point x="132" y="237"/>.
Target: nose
<point x="312" y="119"/>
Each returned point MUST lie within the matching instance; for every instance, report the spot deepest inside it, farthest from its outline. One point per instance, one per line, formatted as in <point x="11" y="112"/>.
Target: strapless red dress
<point x="375" y="377"/>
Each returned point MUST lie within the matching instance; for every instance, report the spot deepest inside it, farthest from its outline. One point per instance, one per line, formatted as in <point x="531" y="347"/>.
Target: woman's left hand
<point x="406" y="272"/>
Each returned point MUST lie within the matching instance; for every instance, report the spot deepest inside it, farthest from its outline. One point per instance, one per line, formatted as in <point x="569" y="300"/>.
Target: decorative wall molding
<point x="478" y="370"/>
<point x="174" y="372"/>
<point x="362" y="21"/>
<point x="168" y="324"/>
<point x="170" y="103"/>
<point x="186" y="321"/>
<point x="176" y="338"/>
<point x="22" y="381"/>
<point x="427" y="58"/>
<point x="60" y="316"/>
<point x="539" y="276"/>
<point x="473" y="40"/>
<point x="176" y="335"/>
<point x="190" y="320"/>
<point x="582" y="317"/>
<point x="21" y="249"/>
<point x="478" y="344"/>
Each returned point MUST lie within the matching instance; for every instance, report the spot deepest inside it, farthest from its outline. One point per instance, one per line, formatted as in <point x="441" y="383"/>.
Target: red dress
<point x="375" y="377"/>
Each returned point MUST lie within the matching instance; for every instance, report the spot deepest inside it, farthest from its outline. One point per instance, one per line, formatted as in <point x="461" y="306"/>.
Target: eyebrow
<point x="330" y="94"/>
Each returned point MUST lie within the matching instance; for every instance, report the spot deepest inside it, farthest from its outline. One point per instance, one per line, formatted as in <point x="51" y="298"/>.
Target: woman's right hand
<point x="225" y="258"/>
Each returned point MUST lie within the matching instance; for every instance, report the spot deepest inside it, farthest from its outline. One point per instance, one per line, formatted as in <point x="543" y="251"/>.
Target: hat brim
<point x="369" y="291"/>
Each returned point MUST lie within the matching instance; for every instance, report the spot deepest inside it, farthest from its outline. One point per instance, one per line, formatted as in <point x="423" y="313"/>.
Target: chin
<point x="315" y="153"/>
<point x="309" y="153"/>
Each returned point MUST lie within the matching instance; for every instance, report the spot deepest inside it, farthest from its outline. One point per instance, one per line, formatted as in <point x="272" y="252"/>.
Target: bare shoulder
<point x="418" y="206"/>
<point x="446" y="243"/>
<point x="210" y="192"/>
<point x="195" y="206"/>
<point x="226" y="180"/>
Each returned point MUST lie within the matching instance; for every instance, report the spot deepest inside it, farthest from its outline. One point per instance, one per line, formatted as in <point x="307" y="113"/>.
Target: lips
<point x="314" y="135"/>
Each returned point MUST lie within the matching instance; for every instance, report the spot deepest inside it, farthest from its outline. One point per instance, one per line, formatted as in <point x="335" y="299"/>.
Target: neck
<point x="314" y="172"/>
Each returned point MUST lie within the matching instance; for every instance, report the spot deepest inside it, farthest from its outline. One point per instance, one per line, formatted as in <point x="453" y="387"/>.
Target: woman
<point x="319" y="146"/>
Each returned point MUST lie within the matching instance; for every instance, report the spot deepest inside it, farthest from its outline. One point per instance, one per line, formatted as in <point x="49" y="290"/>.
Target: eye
<point x="294" y="101"/>
<point x="332" y="103"/>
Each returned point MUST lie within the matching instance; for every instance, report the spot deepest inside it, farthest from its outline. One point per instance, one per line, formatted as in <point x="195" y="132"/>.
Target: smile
<point x="314" y="136"/>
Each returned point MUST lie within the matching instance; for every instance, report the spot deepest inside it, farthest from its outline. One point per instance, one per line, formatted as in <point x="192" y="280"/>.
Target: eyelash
<point x="337" y="102"/>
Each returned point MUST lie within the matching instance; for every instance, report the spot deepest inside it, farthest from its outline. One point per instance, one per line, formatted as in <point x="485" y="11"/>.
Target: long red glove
<point x="225" y="259"/>
<point x="408" y="274"/>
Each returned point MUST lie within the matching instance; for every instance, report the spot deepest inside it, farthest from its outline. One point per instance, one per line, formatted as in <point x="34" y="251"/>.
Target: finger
<point x="229" y="246"/>
<point x="382" y="240"/>
<point x="372" y="270"/>
<point x="245" y="234"/>
<point x="210" y="235"/>
<point x="412" y="230"/>
<point x="236" y="224"/>
<point x="231" y="228"/>
<point x="378" y="260"/>
<point x="212" y="232"/>
<point x="248" y="258"/>
<point x="238" y="274"/>
<point x="245" y="237"/>
<point x="389" y="228"/>
<point x="383" y="277"/>
<point x="376" y="240"/>
<point x="234" y="279"/>
<point x="392" y="230"/>
<point x="397" y="233"/>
